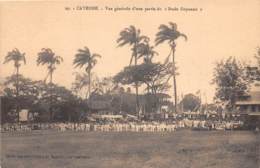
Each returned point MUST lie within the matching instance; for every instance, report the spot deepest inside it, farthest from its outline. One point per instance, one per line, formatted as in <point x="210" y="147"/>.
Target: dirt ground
<point x="180" y="149"/>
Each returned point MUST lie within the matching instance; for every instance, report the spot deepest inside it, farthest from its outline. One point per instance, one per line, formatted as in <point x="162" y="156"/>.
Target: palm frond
<point x="173" y="26"/>
<point x="184" y="36"/>
<point x="46" y="56"/>
<point x="58" y="59"/>
<point x="159" y="41"/>
<point x="145" y="39"/>
<point x="129" y="36"/>
<point x="164" y="27"/>
<point x="16" y="56"/>
<point x="168" y="33"/>
<point x="94" y="55"/>
<point x="84" y="58"/>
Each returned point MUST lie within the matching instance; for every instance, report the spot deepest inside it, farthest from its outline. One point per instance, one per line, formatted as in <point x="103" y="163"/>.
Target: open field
<point x="181" y="149"/>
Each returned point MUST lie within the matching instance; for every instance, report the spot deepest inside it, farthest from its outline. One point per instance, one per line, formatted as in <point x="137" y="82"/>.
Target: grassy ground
<point x="181" y="149"/>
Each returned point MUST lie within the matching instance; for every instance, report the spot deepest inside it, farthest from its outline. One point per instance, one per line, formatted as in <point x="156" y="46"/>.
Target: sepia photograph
<point x="130" y="84"/>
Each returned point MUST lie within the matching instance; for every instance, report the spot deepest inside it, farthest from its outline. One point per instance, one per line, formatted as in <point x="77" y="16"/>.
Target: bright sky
<point x="223" y="28"/>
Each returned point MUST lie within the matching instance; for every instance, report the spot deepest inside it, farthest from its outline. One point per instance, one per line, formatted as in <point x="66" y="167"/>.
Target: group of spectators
<point x="103" y="127"/>
<point x="126" y="126"/>
<point x="210" y="124"/>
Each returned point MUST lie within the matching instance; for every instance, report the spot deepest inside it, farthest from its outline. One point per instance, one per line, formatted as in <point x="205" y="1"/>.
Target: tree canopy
<point x="231" y="81"/>
<point x="154" y="75"/>
<point x="190" y="102"/>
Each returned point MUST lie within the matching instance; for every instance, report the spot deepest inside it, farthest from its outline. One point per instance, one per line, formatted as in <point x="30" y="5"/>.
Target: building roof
<point x="254" y="114"/>
<point x="253" y="98"/>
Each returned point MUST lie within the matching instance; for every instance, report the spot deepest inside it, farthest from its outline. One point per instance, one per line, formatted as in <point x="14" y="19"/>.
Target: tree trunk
<point x="174" y="78"/>
<point x="17" y="93"/>
<point x="175" y="94"/>
<point x="137" y="98"/>
<point x="89" y="86"/>
<point x="136" y="84"/>
<point x="51" y="98"/>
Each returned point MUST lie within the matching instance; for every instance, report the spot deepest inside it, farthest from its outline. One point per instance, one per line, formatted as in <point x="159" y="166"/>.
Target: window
<point x="253" y="108"/>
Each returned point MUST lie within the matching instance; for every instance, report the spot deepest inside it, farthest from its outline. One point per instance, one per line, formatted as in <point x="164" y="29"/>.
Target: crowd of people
<point x="211" y="124"/>
<point x="140" y="126"/>
<point x="103" y="127"/>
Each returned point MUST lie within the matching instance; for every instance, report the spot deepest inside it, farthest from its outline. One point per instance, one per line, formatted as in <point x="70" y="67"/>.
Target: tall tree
<point x="28" y="92"/>
<point x="132" y="36"/>
<point x="170" y="34"/>
<point x="231" y="81"/>
<point x="47" y="57"/>
<point x="17" y="57"/>
<point x="84" y="58"/>
<point x="146" y="51"/>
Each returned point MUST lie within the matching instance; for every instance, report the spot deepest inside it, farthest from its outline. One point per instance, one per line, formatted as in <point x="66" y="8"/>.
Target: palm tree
<point x="170" y="34"/>
<point x="85" y="58"/>
<point x="16" y="56"/>
<point x="49" y="58"/>
<point x="145" y="50"/>
<point x="132" y="36"/>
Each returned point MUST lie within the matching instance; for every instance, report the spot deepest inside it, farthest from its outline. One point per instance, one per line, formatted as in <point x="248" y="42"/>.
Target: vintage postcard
<point x="130" y="84"/>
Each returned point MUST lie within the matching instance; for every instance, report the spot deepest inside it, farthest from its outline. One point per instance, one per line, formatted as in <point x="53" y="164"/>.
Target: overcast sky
<point x="223" y="28"/>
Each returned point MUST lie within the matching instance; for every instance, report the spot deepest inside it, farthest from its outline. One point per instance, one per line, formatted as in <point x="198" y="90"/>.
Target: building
<point x="248" y="105"/>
